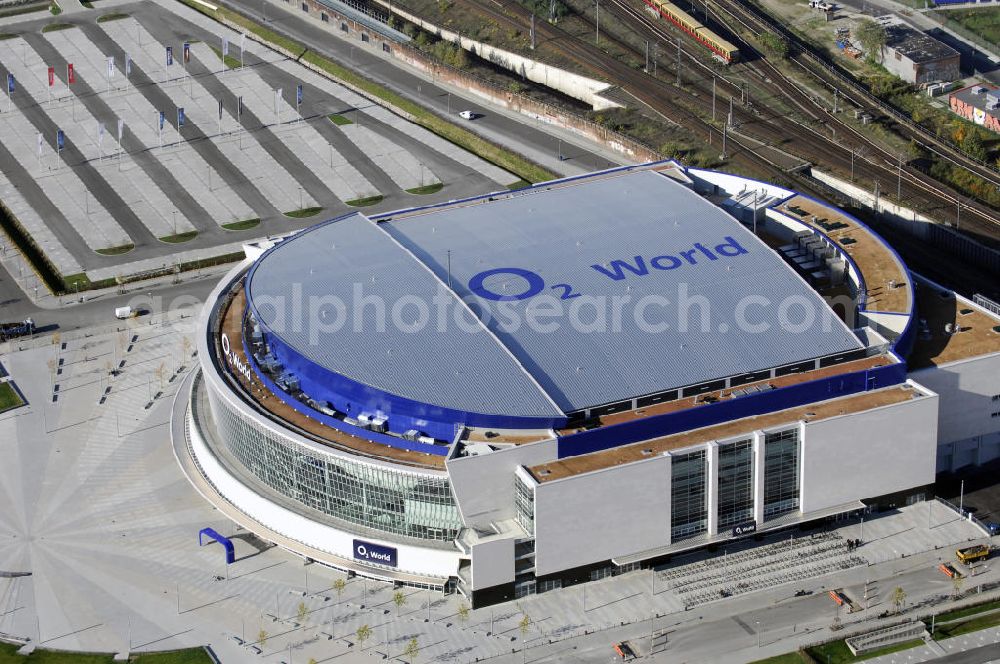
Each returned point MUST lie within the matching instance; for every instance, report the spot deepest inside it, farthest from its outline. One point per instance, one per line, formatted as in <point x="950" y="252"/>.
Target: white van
<point x="121" y="313"/>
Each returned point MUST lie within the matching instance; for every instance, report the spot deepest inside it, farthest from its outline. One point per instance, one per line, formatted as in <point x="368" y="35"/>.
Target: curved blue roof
<point x="329" y="293"/>
<point x="585" y="293"/>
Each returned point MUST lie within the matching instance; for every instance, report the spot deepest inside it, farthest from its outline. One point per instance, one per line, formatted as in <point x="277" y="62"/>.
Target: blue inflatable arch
<point x="224" y="541"/>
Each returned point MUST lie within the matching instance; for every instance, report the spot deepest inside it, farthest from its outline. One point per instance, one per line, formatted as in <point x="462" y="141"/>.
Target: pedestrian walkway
<point x="936" y="649"/>
<point x="760" y="567"/>
<point x="353" y="100"/>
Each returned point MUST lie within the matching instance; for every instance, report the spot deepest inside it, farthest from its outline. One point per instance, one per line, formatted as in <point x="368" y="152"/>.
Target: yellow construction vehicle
<point x="973" y="553"/>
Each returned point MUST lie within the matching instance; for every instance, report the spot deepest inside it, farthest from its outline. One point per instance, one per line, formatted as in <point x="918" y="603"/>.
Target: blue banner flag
<point x="298" y="94"/>
<point x="180" y="117"/>
<point x="128" y="65"/>
<point x="170" y="55"/>
<point x="60" y="140"/>
<point x="163" y="117"/>
<point x="10" y="84"/>
<point x="187" y="52"/>
<point x="225" y="46"/>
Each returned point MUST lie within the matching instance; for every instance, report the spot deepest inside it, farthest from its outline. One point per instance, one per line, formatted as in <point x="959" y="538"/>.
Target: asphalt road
<point x="981" y="655"/>
<point x="15" y="305"/>
<point x="521" y="133"/>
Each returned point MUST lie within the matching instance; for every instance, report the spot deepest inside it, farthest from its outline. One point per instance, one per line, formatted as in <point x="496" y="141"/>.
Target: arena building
<point x="509" y="393"/>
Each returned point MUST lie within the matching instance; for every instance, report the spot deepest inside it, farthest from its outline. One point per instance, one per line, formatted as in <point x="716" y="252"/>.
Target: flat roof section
<point x="974" y="330"/>
<point x="622" y="237"/>
<point x="877" y="263"/>
<point x="780" y="381"/>
<point x="638" y="451"/>
<point x="232" y="319"/>
<point x="917" y="46"/>
<point x="981" y="95"/>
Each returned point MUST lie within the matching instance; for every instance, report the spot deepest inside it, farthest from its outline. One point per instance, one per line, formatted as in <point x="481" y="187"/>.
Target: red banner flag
<point x="70" y="74"/>
<point x="52" y="76"/>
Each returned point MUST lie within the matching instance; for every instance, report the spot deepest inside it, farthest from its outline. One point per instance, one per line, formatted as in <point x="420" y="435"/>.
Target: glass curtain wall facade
<point x="524" y="505"/>
<point x="735" y="483"/>
<point x="377" y="497"/>
<point x="688" y="504"/>
<point x="781" y="472"/>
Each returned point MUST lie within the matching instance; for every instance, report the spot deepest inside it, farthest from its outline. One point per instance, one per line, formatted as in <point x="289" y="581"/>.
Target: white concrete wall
<point x="867" y="454"/>
<point x="867" y="199"/>
<point x="968" y="434"/>
<point x="492" y="563"/>
<point x="734" y="184"/>
<point x="483" y="486"/>
<point x="594" y="517"/>
<point x="966" y="390"/>
<point x="889" y="325"/>
<point x="574" y="85"/>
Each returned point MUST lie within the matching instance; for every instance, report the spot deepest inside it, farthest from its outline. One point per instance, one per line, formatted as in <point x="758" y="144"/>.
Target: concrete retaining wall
<point x="352" y="30"/>
<point x="579" y="87"/>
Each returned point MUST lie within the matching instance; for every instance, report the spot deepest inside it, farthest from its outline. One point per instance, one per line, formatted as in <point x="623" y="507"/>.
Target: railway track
<point x="813" y="63"/>
<point x="661" y="97"/>
<point x="823" y="139"/>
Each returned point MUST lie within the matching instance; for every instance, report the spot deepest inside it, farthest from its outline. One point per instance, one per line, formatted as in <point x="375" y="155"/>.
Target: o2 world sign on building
<point x="374" y="553"/>
<point x="234" y="360"/>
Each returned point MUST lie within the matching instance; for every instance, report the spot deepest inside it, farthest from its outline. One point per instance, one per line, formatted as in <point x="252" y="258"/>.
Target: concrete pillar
<point x="712" y="488"/>
<point x="758" y="477"/>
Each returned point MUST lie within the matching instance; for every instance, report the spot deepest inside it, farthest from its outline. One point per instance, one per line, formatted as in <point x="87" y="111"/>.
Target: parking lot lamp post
<point x="757" y="623"/>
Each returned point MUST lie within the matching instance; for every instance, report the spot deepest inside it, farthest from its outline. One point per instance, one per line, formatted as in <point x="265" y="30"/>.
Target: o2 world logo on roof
<point x="616" y="270"/>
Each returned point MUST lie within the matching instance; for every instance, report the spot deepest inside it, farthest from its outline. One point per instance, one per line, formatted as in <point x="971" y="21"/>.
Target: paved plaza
<point x="225" y="164"/>
<point x="106" y="524"/>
